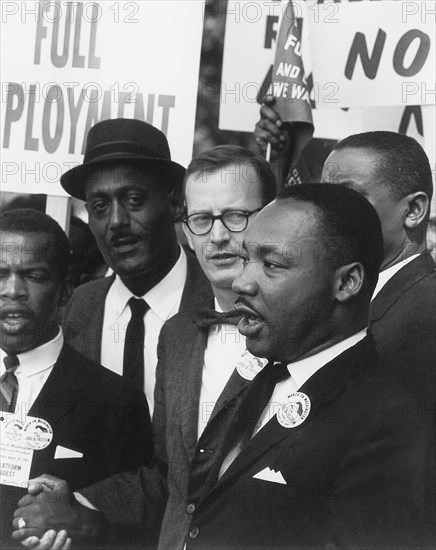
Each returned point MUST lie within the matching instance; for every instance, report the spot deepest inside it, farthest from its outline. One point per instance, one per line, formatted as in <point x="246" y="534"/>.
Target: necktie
<point x="133" y="359"/>
<point x="255" y="399"/>
<point x="9" y="384"/>
<point x="207" y="317"/>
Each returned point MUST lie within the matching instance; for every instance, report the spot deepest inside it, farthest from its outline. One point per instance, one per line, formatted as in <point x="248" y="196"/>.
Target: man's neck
<point x="140" y="284"/>
<point x="411" y="249"/>
<point x="225" y="297"/>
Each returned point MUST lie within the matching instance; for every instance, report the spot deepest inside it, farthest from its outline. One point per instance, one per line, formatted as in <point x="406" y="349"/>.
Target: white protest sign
<point x="374" y="53"/>
<point x="251" y="31"/>
<point x="67" y="65"/>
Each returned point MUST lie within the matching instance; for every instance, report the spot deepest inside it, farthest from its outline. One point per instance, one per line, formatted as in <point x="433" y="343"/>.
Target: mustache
<point x="244" y="302"/>
<point x="123" y="235"/>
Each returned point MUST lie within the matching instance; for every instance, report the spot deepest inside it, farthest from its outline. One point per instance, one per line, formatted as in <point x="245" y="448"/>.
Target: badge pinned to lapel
<point x="295" y="411"/>
<point x="37" y="433"/>
<point x="249" y="365"/>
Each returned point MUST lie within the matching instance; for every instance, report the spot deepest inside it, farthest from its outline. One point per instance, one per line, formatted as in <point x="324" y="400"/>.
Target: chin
<point x="258" y="348"/>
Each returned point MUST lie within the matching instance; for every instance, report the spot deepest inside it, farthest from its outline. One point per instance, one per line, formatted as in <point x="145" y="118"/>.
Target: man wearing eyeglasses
<point x="203" y="365"/>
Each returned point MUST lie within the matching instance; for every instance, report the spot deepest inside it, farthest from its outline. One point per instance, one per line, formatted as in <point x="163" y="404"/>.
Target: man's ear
<point x="349" y="280"/>
<point x="67" y="289"/>
<point x="418" y="205"/>
<point x="188" y="235"/>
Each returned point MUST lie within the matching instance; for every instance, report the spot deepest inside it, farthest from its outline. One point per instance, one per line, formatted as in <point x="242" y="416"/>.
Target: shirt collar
<point x="38" y="359"/>
<point x="388" y="273"/>
<point x="217" y="306"/>
<point x="161" y="298"/>
<point x="302" y="370"/>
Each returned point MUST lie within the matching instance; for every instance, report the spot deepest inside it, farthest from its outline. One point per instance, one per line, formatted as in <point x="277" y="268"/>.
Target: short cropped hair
<point x="28" y="220"/>
<point x="403" y="165"/>
<point x="217" y="158"/>
<point x="348" y="226"/>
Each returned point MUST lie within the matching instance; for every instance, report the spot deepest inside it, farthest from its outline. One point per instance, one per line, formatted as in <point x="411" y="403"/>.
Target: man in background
<point x="130" y="183"/>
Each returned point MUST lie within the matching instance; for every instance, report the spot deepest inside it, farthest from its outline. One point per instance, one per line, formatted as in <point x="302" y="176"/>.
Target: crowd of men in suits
<point x="272" y="387"/>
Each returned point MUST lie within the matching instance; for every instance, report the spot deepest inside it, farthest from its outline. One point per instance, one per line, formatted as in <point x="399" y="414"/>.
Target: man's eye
<point x="99" y="206"/>
<point x="270" y="265"/>
<point x="235" y="216"/>
<point x="135" y="200"/>
<point x="38" y="277"/>
<point x="201" y="219"/>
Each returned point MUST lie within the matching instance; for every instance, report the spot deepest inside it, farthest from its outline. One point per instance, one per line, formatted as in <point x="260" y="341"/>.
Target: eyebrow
<point x="263" y="249"/>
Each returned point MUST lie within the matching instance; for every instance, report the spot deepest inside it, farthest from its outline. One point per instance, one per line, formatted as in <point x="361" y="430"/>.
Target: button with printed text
<point x="193" y="533"/>
<point x="190" y="508"/>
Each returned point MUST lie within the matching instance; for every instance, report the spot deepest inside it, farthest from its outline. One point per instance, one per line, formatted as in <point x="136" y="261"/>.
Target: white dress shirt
<point x="164" y="301"/>
<point x="388" y="273"/>
<point x="34" y="369"/>
<point x="300" y="372"/>
<point x="225" y="345"/>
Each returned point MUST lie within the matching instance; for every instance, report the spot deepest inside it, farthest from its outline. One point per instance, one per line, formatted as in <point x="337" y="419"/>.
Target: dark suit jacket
<point x="83" y="316"/>
<point x="175" y="423"/>
<point x="403" y="323"/>
<point x="93" y="411"/>
<point x="350" y="470"/>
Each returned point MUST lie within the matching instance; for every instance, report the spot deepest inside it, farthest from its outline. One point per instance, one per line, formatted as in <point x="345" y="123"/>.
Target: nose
<point x="13" y="287"/>
<point x="119" y="216"/>
<point x="246" y="282"/>
<point x="219" y="233"/>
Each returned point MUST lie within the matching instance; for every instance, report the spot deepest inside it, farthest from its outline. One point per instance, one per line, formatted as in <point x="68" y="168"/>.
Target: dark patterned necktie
<point x="9" y="384"/>
<point x="133" y="359"/>
<point x="207" y="317"/>
<point x="254" y="401"/>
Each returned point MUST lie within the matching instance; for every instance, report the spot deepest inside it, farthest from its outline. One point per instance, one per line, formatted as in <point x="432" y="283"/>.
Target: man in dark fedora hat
<point x="129" y="181"/>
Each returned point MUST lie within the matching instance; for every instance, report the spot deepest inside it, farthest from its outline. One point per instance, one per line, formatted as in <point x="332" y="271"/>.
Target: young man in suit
<point x="88" y="423"/>
<point x="321" y="452"/>
<point x="131" y="187"/>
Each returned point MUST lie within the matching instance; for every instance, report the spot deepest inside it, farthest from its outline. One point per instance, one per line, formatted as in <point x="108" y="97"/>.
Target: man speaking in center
<point x="320" y="453"/>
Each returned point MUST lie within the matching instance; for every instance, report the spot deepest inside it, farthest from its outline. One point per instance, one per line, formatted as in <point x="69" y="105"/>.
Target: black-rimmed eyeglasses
<point x="234" y="220"/>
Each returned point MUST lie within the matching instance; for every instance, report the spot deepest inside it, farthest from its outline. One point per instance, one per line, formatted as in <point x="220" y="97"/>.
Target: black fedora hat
<point x="124" y="139"/>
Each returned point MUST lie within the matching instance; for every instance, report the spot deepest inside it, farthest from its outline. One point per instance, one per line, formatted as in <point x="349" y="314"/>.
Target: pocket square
<point x="270" y="475"/>
<point x="63" y="452"/>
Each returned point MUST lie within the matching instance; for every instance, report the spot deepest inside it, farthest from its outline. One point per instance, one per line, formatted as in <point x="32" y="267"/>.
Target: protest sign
<point x="250" y="38"/>
<point x="67" y="65"/>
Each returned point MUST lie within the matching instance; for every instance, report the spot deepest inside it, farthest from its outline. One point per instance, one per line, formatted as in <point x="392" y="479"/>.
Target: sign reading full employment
<point x="370" y="65"/>
<point x="67" y="65"/>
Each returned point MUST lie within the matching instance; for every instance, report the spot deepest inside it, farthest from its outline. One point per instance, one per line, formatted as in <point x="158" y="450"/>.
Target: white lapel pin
<point x="295" y="411"/>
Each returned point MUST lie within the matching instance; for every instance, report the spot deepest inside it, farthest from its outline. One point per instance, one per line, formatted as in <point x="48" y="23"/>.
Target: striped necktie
<point x="9" y="384"/>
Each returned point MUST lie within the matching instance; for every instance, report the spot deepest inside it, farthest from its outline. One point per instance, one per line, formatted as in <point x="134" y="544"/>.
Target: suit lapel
<point x="235" y="385"/>
<point x="197" y="291"/>
<point x="60" y="392"/>
<point x="84" y="332"/>
<point x="192" y="370"/>
<point x="324" y="386"/>
<point x="404" y="279"/>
